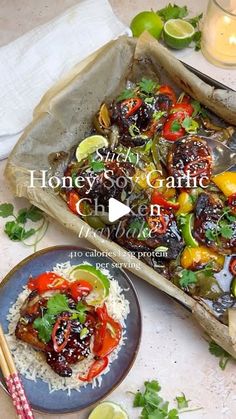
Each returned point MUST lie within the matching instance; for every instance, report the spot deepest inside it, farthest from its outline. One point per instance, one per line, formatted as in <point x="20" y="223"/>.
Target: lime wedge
<point x="96" y="278"/>
<point x="108" y="410"/>
<point x="178" y="33"/>
<point x="89" y="145"/>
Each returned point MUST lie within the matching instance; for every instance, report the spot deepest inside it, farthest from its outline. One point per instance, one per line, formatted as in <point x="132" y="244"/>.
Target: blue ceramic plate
<point x="37" y="392"/>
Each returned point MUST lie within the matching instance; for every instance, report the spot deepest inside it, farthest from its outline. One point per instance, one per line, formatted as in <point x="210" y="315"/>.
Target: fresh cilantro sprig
<point x="153" y="405"/>
<point x="173" y="11"/>
<point x="219" y="352"/>
<point x="190" y="125"/>
<point x="147" y="86"/>
<point x="126" y="94"/>
<point x="96" y="165"/>
<point x="56" y="305"/>
<point x="140" y="229"/>
<point x="16" y="229"/>
<point x="188" y="277"/>
<point x="223" y="227"/>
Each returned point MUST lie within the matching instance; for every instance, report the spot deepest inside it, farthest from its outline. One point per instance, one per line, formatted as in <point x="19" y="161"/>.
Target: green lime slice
<point x="108" y="410"/>
<point x="96" y="278"/>
<point x="178" y="33"/>
<point x="89" y="145"/>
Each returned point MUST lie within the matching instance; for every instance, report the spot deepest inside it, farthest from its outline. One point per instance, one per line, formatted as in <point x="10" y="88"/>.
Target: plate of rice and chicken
<point x="72" y="325"/>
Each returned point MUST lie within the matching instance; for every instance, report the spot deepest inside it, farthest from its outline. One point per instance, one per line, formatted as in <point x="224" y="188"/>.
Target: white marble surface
<point x="173" y="348"/>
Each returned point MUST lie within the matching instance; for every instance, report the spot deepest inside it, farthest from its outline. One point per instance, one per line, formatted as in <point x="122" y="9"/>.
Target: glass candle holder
<point x="219" y="33"/>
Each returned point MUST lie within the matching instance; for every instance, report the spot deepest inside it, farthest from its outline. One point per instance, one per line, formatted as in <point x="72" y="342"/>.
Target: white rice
<point x="32" y="364"/>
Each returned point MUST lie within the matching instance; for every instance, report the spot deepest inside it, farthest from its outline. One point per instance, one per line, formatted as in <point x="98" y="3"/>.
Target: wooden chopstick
<point x="6" y="352"/>
<point x="13" y="381"/>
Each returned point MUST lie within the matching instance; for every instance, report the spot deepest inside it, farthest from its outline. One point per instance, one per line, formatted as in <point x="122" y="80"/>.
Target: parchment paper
<point x="63" y="118"/>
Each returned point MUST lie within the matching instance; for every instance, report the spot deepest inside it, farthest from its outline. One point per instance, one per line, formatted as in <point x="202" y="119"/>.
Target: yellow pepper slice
<point x="185" y="202"/>
<point x="196" y="257"/>
<point x="226" y="182"/>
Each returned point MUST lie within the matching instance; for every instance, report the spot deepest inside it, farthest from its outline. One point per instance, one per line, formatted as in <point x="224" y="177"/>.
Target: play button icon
<point x="117" y="210"/>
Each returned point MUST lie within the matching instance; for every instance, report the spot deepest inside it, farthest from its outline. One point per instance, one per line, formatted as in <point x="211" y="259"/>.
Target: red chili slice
<point x="232" y="266"/>
<point x="173" y="129"/>
<point x="168" y="91"/>
<point x="58" y="347"/>
<point x="47" y="281"/>
<point x="202" y="165"/>
<point x="130" y="106"/>
<point x="96" y="368"/>
<point x="159" y="199"/>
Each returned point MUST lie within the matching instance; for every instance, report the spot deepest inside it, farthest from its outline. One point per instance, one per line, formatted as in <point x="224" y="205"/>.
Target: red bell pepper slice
<point x="47" y="281"/>
<point x="96" y="368"/>
<point x="182" y="107"/>
<point x="58" y="347"/>
<point x="172" y="129"/>
<point x="130" y="106"/>
<point x="168" y="91"/>
<point x="232" y="266"/>
<point x="101" y="328"/>
<point x="107" y="335"/>
<point x="158" y="199"/>
<point x="73" y="199"/>
<point x="79" y="289"/>
<point x="111" y="338"/>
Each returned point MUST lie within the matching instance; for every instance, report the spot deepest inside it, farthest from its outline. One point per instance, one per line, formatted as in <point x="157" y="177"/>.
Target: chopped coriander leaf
<point x="97" y="166"/>
<point x="190" y="125"/>
<point x="175" y="126"/>
<point x="173" y="11"/>
<point x="126" y="94"/>
<point x="140" y="229"/>
<point x="158" y="115"/>
<point x="6" y="210"/>
<point x="187" y="278"/>
<point x="147" y="86"/>
<point x="182" y="401"/>
<point x="134" y="130"/>
<point x="194" y="21"/>
<point x="34" y="214"/>
<point x="57" y="304"/>
<point x="44" y="326"/>
<point x="197" y="37"/>
<point x="219" y="352"/>
<point x="153" y="405"/>
<point x="16" y="232"/>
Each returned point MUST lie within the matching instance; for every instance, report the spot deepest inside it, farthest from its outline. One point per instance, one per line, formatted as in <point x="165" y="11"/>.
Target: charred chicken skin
<point x="76" y="348"/>
<point x="209" y="216"/>
<point x="190" y="157"/>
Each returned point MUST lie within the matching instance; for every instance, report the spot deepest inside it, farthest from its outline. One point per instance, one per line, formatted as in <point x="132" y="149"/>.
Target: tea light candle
<point x="219" y="33"/>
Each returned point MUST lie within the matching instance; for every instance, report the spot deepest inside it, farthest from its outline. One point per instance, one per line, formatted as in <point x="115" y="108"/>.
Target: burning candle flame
<point x="232" y="40"/>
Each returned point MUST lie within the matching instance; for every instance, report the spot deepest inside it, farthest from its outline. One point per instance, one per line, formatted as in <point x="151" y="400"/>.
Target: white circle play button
<point x="117" y="210"/>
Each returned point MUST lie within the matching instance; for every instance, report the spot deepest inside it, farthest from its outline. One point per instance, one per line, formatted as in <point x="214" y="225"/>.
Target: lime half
<point x="89" y="145"/>
<point x="108" y="410"/>
<point x="96" y="278"/>
<point x="178" y="33"/>
<point x="147" y="21"/>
